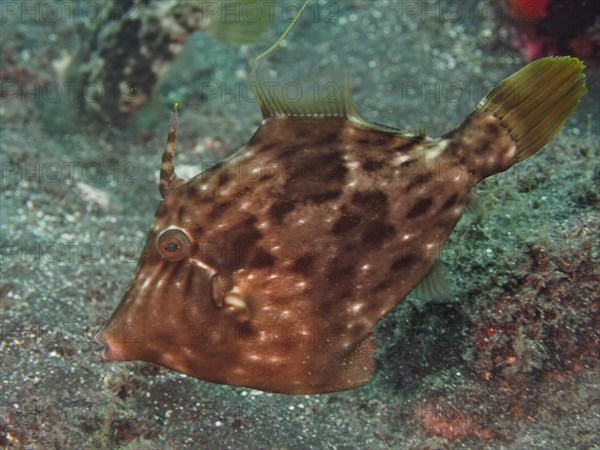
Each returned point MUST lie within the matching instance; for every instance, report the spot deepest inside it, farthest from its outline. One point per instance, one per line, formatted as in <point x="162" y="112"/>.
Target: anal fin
<point x="359" y="365"/>
<point x="433" y="286"/>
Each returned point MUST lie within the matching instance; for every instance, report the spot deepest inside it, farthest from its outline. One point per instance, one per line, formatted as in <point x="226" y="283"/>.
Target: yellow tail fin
<point x="535" y="102"/>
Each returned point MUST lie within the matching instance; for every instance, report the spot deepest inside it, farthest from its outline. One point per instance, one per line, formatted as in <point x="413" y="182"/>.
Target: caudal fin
<point x="534" y="103"/>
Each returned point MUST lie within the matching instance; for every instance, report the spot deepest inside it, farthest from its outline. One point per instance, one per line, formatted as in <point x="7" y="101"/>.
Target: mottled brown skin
<point x="317" y="229"/>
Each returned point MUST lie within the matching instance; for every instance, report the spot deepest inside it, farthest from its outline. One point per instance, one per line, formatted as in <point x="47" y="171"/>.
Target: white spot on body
<point x="352" y="165"/>
<point x="274" y="359"/>
<point x="467" y="141"/>
<point x="357" y="307"/>
<point x="166" y="356"/>
<point x="206" y="267"/>
<point x="401" y="159"/>
<point x="511" y="151"/>
<point x="145" y="285"/>
<point x="435" y="149"/>
<point x="304" y="332"/>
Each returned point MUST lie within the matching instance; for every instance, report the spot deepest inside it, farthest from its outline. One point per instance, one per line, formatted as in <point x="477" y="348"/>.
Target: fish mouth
<point x="110" y="351"/>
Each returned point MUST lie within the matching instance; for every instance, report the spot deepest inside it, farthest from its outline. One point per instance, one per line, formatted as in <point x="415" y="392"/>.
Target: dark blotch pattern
<point x="316" y="177"/>
<point x="450" y="202"/>
<point x="403" y="262"/>
<point x="382" y="286"/>
<point x="225" y="177"/>
<point x="304" y="264"/>
<point x="371" y="165"/>
<point x="260" y="258"/>
<point x="376" y="232"/>
<point x="341" y="273"/>
<point x="375" y="202"/>
<point x="197" y="231"/>
<point x="245" y="233"/>
<point x="331" y="167"/>
<point x="324" y="196"/>
<point x="280" y="209"/>
<point x="161" y="212"/>
<point x="455" y="150"/>
<point x="418" y="180"/>
<point x="292" y="150"/>
<point x="484" y="147"/>
<point x="419" y="208"/>
<point x="181" y="213"/>
<point x="194" y="286"/>
<point x="408" y="146"/>
<point x="492" y="130"/>
<point x="241" y="244"/>
<point x="330" y="140"/>
<point x="191" y="191"/>
<point x="345" y="223"/>
<point x="220" y="209"/>
<point x="367" y="218"/>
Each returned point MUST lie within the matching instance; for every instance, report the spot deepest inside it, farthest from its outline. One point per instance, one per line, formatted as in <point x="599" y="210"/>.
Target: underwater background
<point x="510" y="360"/>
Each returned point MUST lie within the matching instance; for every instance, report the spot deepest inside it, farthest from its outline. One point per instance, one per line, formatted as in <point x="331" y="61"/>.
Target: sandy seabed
<point x="509" y="361"/>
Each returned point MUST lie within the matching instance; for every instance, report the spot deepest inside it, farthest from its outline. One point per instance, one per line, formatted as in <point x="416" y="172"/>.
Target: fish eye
<point x="173" y="244"/>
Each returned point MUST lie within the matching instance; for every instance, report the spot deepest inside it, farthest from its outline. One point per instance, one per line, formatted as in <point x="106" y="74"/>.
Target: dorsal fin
<point x="336" y="102"/>
<point x="258" y="90"/>
<point x="238" y="22"/>
<point x="168" y="178"/>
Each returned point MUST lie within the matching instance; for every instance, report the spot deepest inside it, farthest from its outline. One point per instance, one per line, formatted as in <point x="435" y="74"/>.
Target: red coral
<point x="547" y="322"/>
<point x="442" y="420"/>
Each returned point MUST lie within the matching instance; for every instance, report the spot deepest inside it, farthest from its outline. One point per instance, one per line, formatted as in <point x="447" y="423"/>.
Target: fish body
<point x="271" y="269"/>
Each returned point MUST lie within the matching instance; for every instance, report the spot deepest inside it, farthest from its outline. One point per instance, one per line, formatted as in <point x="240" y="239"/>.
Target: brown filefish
<point x="271" y="269"/>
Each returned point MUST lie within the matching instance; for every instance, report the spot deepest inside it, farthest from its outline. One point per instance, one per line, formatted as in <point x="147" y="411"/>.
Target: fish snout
<point x="113" y="349"/>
